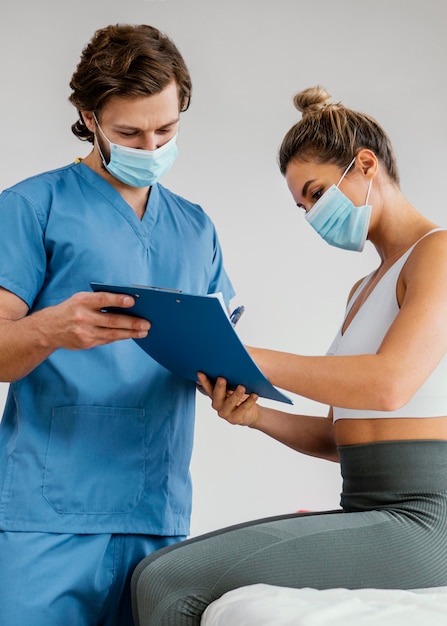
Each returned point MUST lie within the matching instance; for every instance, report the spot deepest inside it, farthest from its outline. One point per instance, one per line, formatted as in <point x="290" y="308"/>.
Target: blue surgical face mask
<point x="338" y="221"/>
<point x="139" y="168"/>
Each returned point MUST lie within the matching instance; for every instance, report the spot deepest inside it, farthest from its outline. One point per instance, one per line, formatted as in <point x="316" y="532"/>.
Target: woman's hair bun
<point x="312" y="100"/>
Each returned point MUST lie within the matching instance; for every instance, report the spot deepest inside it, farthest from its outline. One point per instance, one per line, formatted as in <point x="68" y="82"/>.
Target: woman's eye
<point x="317" y="194"/>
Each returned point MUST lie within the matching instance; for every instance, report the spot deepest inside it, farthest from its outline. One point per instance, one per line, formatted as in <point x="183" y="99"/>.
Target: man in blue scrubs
<point x="96" y="437"/>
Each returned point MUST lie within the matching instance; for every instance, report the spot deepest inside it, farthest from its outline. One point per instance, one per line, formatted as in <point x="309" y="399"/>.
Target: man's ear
<point x="89" y="120"/>
<point x="367" y="162"/>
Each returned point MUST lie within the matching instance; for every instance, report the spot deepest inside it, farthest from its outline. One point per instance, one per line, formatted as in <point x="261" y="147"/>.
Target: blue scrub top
<point x="99" y="440"/>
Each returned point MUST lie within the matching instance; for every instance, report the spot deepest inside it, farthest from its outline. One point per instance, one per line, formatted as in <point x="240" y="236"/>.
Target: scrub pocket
<point x="95" y="461"/>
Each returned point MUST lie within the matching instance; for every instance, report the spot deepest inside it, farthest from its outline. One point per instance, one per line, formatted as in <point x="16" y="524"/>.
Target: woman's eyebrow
<point x="306" y="185"/>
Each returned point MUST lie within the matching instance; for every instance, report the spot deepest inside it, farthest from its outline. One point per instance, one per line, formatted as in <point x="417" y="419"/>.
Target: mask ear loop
<point x="345" y="172"/>
<point x="97" y="123"/>
<point x="105" y="163"/>
<point x="369" y="191"/>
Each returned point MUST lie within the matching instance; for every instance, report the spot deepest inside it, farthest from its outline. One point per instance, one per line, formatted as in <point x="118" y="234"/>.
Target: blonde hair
<point x="329" y="132"/>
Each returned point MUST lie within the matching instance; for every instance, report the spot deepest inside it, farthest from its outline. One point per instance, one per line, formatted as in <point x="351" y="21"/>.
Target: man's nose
<point x="150" y="142"/>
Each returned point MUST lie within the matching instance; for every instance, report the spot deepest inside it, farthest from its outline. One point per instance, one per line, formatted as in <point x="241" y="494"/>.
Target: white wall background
<point x="247" y="59"/>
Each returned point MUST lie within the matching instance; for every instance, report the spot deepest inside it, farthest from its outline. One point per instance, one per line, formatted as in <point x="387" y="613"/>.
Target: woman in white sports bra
<point x="384" y="379"/>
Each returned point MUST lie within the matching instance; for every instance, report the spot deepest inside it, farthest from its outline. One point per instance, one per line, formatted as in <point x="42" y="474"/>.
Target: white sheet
<point x="266" y="605"/>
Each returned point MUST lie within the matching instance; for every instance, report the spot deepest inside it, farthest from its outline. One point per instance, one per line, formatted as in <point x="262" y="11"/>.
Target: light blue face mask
<point x="139" y="168"/>
<point x="338" y="221"/>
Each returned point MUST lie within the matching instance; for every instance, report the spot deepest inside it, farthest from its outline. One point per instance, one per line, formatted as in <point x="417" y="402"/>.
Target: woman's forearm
<point x="309" y="435"/>
<point x="369" y="381"/>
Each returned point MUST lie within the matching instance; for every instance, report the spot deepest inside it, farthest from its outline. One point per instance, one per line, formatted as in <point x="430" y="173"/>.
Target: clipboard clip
<point x="157" y="288"/>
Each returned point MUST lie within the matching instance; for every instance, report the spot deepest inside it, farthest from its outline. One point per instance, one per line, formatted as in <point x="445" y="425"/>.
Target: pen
<point x="236" y="315"/>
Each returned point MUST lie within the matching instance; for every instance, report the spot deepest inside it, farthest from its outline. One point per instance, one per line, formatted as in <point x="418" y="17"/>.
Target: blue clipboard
<point x="192" y="333"/>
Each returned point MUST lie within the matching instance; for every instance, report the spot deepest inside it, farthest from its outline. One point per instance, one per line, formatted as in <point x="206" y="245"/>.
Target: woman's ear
<point x="367" y="162"/>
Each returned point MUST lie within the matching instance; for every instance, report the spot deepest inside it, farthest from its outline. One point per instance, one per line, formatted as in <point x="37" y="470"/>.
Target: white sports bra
<point x="364" y="335"/>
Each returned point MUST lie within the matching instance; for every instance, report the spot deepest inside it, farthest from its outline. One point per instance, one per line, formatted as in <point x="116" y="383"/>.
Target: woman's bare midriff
<point x="350" y="432"/>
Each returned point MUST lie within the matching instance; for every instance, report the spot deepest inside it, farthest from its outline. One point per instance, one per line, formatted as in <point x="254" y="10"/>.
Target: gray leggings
<point x="390" y="533"/>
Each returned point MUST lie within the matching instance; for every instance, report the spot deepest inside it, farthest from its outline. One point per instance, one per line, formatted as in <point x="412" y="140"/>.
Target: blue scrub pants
<point x="70" y="580"/>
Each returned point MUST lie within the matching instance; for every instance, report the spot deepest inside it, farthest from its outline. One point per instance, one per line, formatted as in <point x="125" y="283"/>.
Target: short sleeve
<point x="22" y="249"/>
<point x="220" y="281"/>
